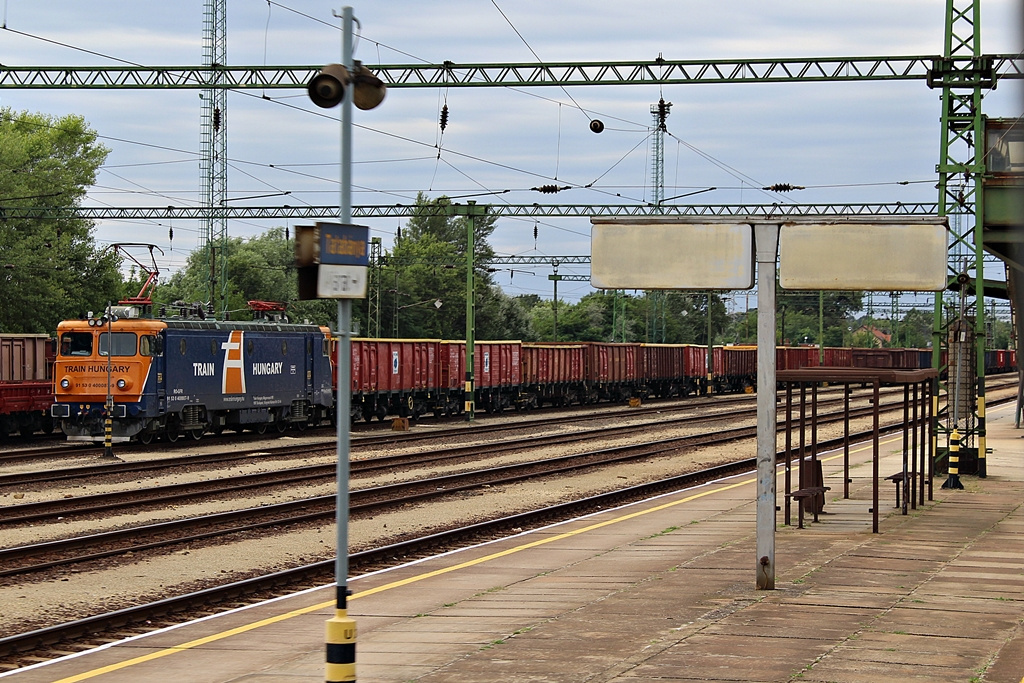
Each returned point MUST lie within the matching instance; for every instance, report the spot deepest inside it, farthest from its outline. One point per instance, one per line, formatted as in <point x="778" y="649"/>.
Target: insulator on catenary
<point x="782" y="187"/>
<point x="444" y="117"/>
<point x="550" y="189"/>
<point x="663" y="108"/>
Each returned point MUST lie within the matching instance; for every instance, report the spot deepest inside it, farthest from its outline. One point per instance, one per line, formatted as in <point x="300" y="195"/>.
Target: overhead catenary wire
<point x="536" y="56"/>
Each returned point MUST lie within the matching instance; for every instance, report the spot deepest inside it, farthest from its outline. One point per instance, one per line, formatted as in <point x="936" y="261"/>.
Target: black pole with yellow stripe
<point x="953" y="480"/>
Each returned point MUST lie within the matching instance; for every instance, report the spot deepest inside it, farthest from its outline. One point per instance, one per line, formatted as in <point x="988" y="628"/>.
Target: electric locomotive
<point x="172" y="377"/>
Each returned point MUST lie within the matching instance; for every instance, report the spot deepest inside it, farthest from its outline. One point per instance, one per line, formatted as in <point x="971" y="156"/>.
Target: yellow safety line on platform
<point x="404" y="582"/>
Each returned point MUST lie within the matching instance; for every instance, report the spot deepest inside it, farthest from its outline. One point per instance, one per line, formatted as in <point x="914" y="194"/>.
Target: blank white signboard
<point x="895" y="256"/>
<point x="671" y="256"/>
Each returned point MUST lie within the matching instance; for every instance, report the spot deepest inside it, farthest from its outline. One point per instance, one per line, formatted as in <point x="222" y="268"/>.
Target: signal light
<point x="327" y="88"/>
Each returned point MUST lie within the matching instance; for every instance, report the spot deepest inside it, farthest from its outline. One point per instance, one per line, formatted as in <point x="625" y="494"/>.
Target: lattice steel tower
<point x="963" y="73"/>
<point x="657" y="299"/>
<point x="213" y="171"/>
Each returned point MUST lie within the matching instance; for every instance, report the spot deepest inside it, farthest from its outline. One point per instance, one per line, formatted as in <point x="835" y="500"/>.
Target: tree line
<point x="53" y="270"/>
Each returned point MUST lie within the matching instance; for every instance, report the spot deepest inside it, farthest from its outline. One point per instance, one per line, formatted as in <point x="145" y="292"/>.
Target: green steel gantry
<point x="452" y="75"/>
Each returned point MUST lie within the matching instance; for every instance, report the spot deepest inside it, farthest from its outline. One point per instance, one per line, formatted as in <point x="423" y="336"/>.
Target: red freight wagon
<point x="552" y="373"/>
<point x="497" y="364"/>
<point x="497" y="371"/>
<point x="871" y="358"/>
<point x="906" y="359"/>
<point x="611" y="370"/>
<point x="25" y="357"/>
<point x="672" y="369"/>
<point x="838" y="357"/>
<point x="739" y="369"/>
<point x="393" y="376"/>
<point x="795" y="357"/>
<point x="26" y="387"/>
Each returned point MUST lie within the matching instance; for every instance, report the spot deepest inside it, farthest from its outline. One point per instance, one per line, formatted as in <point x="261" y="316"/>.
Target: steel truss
<point x="451" y="75"/>
<point x="142" y="213"/>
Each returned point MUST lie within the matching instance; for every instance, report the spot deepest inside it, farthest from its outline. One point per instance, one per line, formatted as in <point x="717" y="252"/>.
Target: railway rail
<point x="362" y="560"/>
<point x="487" y="424"/>
<point x="141" y="618"/>
<point x="170" y="493"/>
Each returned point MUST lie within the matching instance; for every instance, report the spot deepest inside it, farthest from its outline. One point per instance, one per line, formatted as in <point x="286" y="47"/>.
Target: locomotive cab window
<point x="119" y="343"/>
<point x="76" y="344"/>
<point x="150" y="345"/>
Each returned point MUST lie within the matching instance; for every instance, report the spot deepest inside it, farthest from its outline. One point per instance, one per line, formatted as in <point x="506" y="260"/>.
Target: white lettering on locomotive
<point x="267" y="368"/>
<point x="204" y="369"/>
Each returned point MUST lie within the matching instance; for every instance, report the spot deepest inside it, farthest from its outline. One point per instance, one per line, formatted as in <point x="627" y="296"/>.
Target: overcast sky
<point x="846" y="142"/>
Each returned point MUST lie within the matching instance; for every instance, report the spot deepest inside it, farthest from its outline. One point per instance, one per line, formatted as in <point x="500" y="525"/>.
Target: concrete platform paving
<point x="659" y="591"/>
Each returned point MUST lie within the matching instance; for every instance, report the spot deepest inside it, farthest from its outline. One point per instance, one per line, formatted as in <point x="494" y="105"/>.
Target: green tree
<point x="915" y="330"/>
<point x="52" y="267"/>
<point x="427" y="265"/>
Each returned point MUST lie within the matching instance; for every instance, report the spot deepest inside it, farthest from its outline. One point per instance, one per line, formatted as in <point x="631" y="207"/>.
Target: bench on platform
<point x="898" y="480"/>
<point x="808" y="493"/>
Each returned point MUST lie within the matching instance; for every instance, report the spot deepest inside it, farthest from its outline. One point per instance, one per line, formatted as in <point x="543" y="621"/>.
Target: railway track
<point x="236" y="484"/>
<point x="319" y="573"/>
<point x="391" y="439"/>
<point x="36" y="558"/>
<point x="146" y="617"/>
<point x="367" y="435"/>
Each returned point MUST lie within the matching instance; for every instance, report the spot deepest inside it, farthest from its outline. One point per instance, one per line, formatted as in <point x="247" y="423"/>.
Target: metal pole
<point x="766" y="240"/>
<point x="470" y="314"/>
<point x="341" y="629"/>
<point x="555" y="277"/>
<point x="554" y="304"/>
<point x="711" y="356"/>
<point x="821" y="327"/>
<point x="108" y="420"/>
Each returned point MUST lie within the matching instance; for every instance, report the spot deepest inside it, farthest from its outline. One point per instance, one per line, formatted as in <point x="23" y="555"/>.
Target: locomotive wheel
<point x="261" y="428"/>
<point x="282" y="426"/>
<point x="196" y="434"/>
<point x="301" y="426"/>
<point x="172" y="435"/>
<point x="145" y="438"/>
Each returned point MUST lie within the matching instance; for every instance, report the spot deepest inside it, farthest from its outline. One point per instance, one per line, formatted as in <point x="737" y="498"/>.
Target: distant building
<point x="877" y="337"/>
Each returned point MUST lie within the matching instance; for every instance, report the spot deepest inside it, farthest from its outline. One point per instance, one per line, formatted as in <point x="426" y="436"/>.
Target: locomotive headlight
<point x="65" y="383"/>
<point x="121" y="384"/>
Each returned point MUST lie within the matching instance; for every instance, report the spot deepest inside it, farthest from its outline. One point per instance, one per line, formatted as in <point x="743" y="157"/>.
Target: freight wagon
<point x="552" y="374"/>
<point x="393" y="377"/>
<point x="26" y="385"/>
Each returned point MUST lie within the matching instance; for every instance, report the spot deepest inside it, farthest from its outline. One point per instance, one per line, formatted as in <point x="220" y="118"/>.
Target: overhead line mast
<point x="213" y="235"/>
<point x="962" y="73"/>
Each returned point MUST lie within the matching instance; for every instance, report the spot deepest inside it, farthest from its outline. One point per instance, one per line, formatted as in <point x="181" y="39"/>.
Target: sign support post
<point x="766" y="243"/>
<point x="341" y="629"/>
